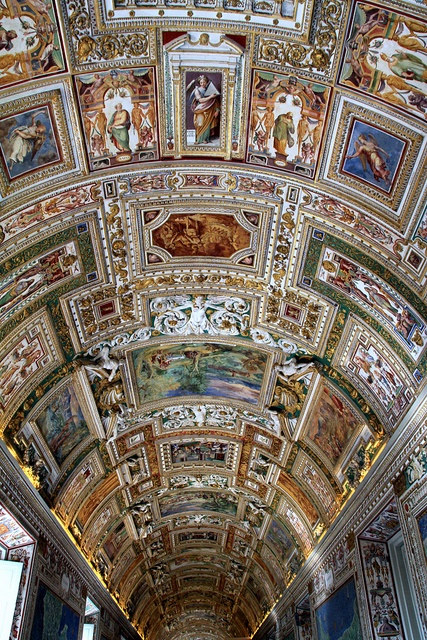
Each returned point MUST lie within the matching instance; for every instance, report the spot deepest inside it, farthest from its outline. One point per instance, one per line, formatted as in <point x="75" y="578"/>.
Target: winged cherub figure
<point x="25" y="140"/>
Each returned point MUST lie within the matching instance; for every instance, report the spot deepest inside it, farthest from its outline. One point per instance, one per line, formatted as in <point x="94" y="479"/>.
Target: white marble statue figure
<point x="230" y="315"/>
<point x="292" y="367"/>
<point x="142" y="511"/>
<point x="217" y="416"/>
<point x="102" y="365"/>
<point x="144" y="530"/>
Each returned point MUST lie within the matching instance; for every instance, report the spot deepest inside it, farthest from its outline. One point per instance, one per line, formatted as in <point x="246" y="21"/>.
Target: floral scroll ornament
<point x="90" y="47"/>
<point x="316" y="56"/>
<point x="212" y="416"/>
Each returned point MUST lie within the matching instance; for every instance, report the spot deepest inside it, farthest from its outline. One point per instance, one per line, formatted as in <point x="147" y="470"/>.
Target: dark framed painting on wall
<point x="422" y="526"/>
<point x="338" y="616"/>
<point x="53" y="618"/>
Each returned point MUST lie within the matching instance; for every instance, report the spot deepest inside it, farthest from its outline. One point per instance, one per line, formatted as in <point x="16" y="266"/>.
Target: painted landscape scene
<point x="62" y="424"/>
<point x="279" y="541"/>
<point x="197" y="501"/>
<point x="199" y="368"/>
<point x="332" y="425"/>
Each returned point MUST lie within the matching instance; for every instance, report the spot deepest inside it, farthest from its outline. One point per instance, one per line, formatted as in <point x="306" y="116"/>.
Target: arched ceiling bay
<point x="212" y="291"/>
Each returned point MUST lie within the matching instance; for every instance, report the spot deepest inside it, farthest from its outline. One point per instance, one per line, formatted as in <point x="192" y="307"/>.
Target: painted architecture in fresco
<point x="30" y="41"/>
<point x="119" y="116"/>
<point x="286" y="122"/>
<point x="386" y="57"/>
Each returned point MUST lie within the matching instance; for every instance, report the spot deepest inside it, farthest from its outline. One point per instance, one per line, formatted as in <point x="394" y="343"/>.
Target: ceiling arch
<point x="212" y="296"/>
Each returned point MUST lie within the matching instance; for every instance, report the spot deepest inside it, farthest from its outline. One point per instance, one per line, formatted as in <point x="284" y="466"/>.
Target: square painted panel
<point x="372" y="155"/>
<point x="28" y="141"/>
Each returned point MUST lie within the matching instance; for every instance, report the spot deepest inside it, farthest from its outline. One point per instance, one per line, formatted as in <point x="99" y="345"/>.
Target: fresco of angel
<point x="373" y="155"/>
<point x="203" y="114"/>
<point x="27" y="141"/>
<point x="29" y="40"/>
<point x="215" y="315"/>
<point x="370" y="154"/>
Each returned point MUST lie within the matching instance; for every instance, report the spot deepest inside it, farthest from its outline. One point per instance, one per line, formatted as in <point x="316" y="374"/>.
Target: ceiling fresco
<point x="213" y="263"/>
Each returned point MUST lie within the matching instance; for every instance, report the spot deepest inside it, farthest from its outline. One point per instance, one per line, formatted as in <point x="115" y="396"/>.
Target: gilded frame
<point x="59" y="97"/>
<point x="31" y="431"/>
<point x="393" y="206"/>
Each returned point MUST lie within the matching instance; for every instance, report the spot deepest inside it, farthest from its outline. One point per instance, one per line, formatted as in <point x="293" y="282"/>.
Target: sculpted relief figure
<point x="292" y="368"/>
<point x="106" y="368"/>
<point x="184" y="315"/>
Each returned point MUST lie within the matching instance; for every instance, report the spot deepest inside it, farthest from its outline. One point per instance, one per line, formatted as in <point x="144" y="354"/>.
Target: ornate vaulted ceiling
<point x="212" y="295"/>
